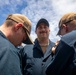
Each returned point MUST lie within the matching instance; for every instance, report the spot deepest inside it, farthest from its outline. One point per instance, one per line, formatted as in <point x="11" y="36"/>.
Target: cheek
<point x="63" y="32"/>
<point x="24" y="37"/>
<point x="48" y="31"/>
<point x="37" y="31"/>
<point x="21" y="36"/>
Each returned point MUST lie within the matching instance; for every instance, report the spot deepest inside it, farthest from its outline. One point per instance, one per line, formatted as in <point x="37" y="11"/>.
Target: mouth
<point x="43" y="32"/>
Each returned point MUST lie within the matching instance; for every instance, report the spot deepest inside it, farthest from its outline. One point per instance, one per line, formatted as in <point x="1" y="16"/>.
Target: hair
<point x="72" y="23"/>
<point x="9" y="22"/>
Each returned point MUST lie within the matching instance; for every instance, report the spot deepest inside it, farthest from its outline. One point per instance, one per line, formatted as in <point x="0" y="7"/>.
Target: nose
<point x="43" y="28"/>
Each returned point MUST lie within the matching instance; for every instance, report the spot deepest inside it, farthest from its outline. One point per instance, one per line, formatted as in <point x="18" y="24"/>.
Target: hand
<point x="54" y="48"/>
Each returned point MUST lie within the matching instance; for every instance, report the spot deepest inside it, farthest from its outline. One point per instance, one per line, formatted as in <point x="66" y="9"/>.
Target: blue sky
<point x="52" y="10"/>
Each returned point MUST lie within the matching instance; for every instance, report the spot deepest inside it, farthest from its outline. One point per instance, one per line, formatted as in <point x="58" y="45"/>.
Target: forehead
<point x="42" y="24"/>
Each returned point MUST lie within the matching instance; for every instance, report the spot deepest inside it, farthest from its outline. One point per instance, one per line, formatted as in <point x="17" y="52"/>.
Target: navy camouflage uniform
<point x="65" y="59"/>
<point x="9" y="57"/>
<point x="34" y="60"/>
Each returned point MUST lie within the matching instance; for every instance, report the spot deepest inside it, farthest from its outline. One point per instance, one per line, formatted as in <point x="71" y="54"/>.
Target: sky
<point x="52" y="10"/>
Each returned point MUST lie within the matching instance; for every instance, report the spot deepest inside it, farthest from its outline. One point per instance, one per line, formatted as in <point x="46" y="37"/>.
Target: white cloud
<point x="52" y="10"/>
<point x="63" y="6"/>
<point x="40" y="9"/>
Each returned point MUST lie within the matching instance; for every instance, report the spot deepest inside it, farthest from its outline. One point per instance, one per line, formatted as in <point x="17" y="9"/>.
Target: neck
<point x="43" y="42"/>
<point x="6" y="31"/>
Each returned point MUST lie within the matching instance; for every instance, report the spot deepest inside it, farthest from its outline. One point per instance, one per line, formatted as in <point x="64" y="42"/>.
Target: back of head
<point x="66" y="19"/>
<point x="19" y="18"/>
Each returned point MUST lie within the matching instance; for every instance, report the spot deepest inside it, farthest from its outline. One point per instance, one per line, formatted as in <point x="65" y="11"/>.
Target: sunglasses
<point x="62" y="26"/>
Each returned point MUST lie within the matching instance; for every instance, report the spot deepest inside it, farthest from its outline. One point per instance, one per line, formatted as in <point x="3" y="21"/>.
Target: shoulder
<point x="51" y="43"/>
<point x="28" y="48"/>
<point x="69" y="38"/>
<point x="7" y="46"/>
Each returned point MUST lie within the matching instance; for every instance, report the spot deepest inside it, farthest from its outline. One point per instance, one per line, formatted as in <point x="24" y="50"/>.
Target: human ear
<point x="36" y="31"/>
<point x="49" y="30"/>
<point x="65" y="27"/>
<point x="18" y="26"/>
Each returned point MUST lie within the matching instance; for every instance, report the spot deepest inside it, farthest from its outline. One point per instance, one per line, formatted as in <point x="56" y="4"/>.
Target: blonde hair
<point x="9" y="22"/>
